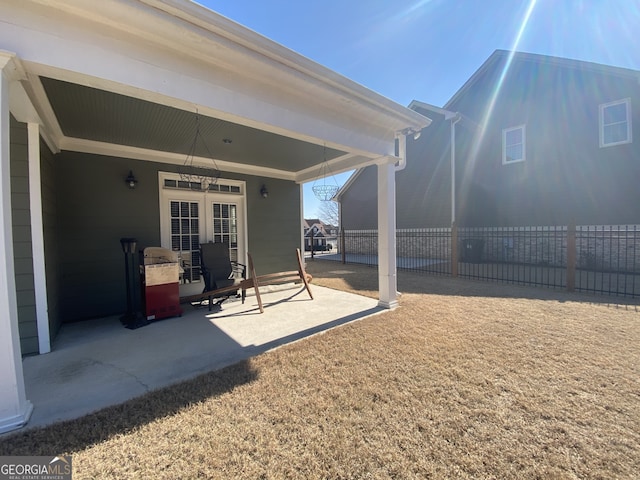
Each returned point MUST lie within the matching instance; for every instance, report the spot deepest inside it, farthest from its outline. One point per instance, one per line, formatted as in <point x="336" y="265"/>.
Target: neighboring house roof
<point x="417" y="105"/>
<point x="509" y="56"/>
<point x="429" y="109"/>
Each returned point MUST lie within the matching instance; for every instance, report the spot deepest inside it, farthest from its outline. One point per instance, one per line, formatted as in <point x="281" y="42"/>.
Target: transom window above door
<point x="197" y="186"/>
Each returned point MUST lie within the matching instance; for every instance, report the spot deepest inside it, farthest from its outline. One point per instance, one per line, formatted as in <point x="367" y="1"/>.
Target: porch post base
<point x="17" y="421"/>
<point x="388" y="305"/>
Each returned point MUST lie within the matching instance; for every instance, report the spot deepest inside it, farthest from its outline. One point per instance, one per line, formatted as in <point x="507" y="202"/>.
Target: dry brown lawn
<point x="464" y="380"/>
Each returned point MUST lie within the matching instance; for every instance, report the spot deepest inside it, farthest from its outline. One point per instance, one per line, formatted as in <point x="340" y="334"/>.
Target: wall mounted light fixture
<point x="264" y="192"/>
<point x="131" y="180"/>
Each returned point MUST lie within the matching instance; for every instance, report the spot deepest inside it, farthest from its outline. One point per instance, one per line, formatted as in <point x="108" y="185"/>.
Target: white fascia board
<point x="330" y="167"/>
<point x="135" y="153"/>
<point x="339" y="165"/>
<point x="200" y="27"/>
<point x="351" y="163"/>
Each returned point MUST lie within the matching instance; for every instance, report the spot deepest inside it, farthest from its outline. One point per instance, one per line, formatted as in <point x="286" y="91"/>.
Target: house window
<point x="513" y="145"/>
<point x="615" y="123"/>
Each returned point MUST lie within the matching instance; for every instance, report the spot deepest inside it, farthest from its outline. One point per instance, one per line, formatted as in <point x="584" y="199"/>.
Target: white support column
<point x="387" y="280"/>
<point x="301" y="219"/>
<point x="37" y="239"/>
<point x="15" y="409"/>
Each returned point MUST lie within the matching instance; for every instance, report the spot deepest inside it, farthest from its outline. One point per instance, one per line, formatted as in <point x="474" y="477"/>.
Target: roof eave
<point x="195" y="14"/>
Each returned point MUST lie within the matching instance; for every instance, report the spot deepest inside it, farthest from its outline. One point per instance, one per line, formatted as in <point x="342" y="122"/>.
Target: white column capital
<point x="11" y="67"/>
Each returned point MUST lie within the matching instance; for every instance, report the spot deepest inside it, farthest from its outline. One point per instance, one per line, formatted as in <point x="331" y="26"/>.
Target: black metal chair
<point x="220" y="273"/>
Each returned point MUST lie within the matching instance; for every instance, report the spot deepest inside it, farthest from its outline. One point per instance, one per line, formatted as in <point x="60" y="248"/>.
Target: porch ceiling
<point x="98" y="115"/>
<point x="126" y="77"/>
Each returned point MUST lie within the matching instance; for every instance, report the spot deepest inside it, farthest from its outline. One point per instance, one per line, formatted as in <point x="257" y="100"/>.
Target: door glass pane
<point x="225" y="227"/>
<point x="185" y="239"/>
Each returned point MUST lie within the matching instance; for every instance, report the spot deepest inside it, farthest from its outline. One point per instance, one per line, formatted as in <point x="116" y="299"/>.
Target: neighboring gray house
<point x="423" y="186"/>
<point x="539" y="140"/>
<point x="93" y="91"/>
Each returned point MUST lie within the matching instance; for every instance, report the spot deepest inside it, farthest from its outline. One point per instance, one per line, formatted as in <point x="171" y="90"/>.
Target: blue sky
<point x="426" y="49"/>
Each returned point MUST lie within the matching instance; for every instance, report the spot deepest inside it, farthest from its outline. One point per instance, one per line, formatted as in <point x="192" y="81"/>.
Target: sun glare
<point x="492" y="100"/>
<point x="411" y="9"/>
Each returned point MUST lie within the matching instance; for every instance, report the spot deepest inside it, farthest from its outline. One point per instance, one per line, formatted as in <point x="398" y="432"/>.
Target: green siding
<point x="95" y="209"/>
<point x="274" y="224"/>
<point x="21" y="221"/>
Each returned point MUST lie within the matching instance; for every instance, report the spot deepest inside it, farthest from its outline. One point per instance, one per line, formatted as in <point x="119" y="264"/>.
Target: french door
<point x="189" y="218"/>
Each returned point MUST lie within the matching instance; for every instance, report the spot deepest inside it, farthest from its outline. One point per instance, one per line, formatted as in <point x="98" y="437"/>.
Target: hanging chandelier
<point x="324" y="191"/>
<point x="199" y="177"/>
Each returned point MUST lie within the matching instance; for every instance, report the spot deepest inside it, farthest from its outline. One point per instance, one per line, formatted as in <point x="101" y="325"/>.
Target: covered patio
<point x="98" y="364"/>
<point x="92" y="92"/>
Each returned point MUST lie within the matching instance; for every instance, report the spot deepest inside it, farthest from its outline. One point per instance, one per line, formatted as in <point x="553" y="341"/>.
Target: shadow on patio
<point x="98" y="363"/>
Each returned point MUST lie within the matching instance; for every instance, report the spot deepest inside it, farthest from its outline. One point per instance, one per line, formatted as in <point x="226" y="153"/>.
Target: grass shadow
<point x="74" y="435"/>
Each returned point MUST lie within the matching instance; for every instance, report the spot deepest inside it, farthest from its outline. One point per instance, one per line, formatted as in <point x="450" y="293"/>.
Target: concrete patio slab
<point x="99" y="363"/>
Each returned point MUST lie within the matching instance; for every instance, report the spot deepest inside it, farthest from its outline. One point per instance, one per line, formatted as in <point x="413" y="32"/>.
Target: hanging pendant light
<point x="199" y="177"/>
<point x="324" y="191"/>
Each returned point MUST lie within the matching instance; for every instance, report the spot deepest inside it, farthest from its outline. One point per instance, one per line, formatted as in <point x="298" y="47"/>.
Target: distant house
<point x="322" y="236"/>
<point x="539" y="140"/>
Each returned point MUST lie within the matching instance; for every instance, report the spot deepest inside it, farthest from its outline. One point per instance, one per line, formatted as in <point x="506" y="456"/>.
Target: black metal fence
<point x="593" y="259"/>
<point x="519" y="255"/>
<point x="608" y="260"/>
